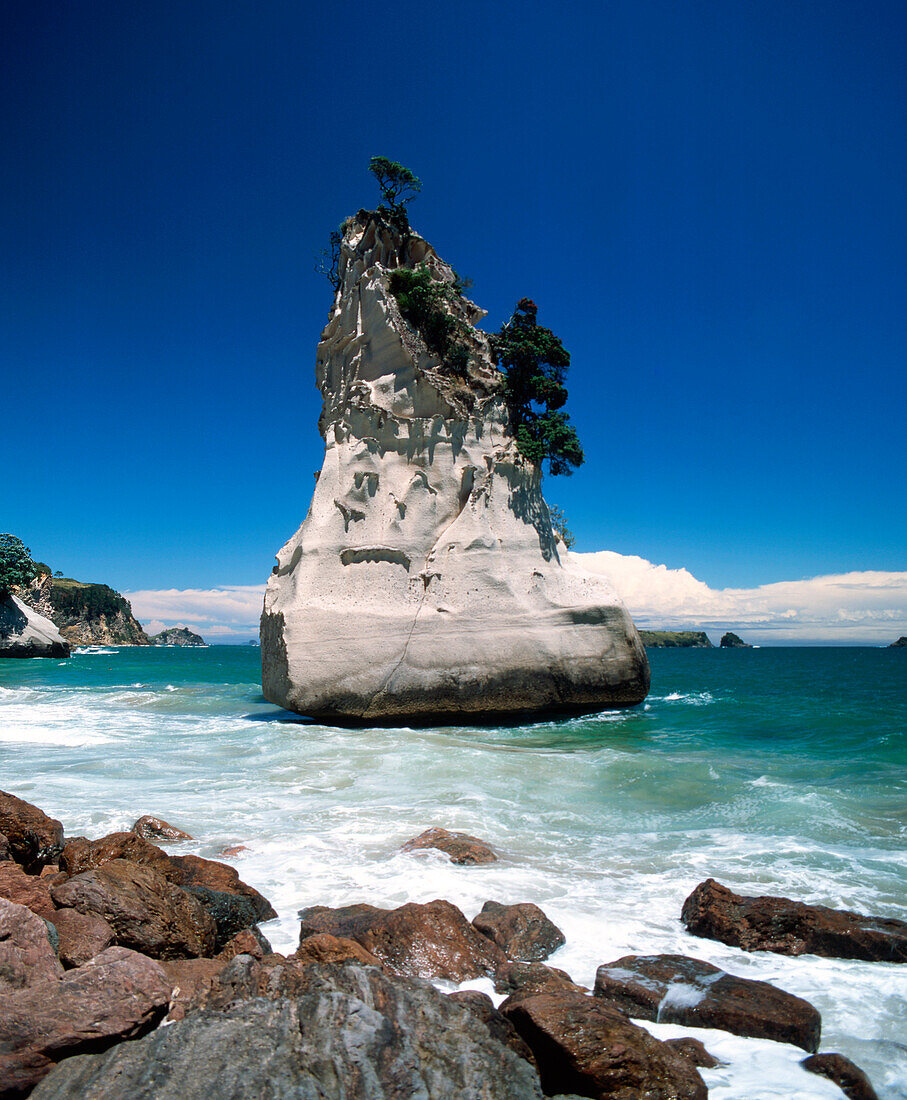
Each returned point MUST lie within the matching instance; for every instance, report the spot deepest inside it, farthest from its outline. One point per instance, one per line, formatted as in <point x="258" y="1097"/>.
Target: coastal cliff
<point x="86" y="614"/>
<point x="25" y="633"/>
<point x="675" y="639"/>
<point x="426" y="581"/>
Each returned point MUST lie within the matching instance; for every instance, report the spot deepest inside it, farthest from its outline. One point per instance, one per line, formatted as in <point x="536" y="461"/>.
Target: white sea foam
<point x="693" y="698"/>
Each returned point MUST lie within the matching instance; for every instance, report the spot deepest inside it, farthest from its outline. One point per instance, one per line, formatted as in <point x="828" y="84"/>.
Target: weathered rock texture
<point x="33" y="838"/>
<point x="522" y="931"/>
<point x="25" y="633"/>
<point x="425" y="581"/>
<point x="86" y="614"/>
<point x="791" y="927"/>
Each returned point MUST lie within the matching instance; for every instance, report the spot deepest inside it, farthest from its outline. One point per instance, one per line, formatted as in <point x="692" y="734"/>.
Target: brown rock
<point x="146" y="912"/>
<point x="118" y="995"/>
<point x="5" y="853"/>
<point x="155" y="828"/>
<point x="461" y="847"/>
<point x="81" y="855"/>
<point x="586" y="1047"/>
<point x="82" y="936"/>
<point x="694" y="1050"/>
<point x="243" y="943"/>
<point x="244" y="978"/>
<point x="675" y="989"/>
<point x="190" y="979"/>
<point x="26" y="954"/>
<point x="499" y="1027"/>
<point x="522" y="931"/>
<point x="850" y="1079"/>
<point x="31" y="891"/>
<point x="791" y="927"/>
<point x="195" y="871"/>
<point x="324" y="948"/>
<point x="50" y="870"/>
<point x="33" y="838"/>
<point x="234" y="850"/>
<point x="422" y="941"/>
<point x="527" y="979"/>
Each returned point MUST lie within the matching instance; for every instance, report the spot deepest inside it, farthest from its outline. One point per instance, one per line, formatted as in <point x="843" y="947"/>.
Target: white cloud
<point x="848" y="608"/>
<point x="845" y="608"/>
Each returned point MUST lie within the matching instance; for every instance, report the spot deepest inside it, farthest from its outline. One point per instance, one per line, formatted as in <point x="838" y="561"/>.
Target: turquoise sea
<point x="773" y="770"/>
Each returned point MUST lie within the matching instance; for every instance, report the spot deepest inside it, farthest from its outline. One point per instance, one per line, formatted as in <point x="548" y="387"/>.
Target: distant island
<point x="733" y="641"/>
<point x="901" y="643"/>
<point x="675" y="639"/>
<point x="178" y="635"/>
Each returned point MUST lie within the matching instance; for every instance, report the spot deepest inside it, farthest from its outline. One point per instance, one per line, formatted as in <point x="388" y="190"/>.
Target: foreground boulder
<point x="531" y="978"/>
<point x="791" y="927"/>
<point x="426" y="583"/>
<point x="155" y="828"/>
<point x="81" y="936"/>
<point x="119" y="995"/>
<point x="522" y="931"/>
<point x="196" y="871"/>
<point x="850" y="1079"/>
<point x="30" y="890"/>
<point x="499" y="1027"/>
<point x="324" y="948"/>
<point x="146" y="912"/>
<point x="424" y="941"/>
<point x="352" y="1032"/>
<point x="25" y="633"/>
<point x="461" y="847"/>
<point x="81" y="854"/>
<point x="675" y="989"/>
<point x="27" y="955"/>
<point x="586" y="1047"/>
<point x="32" y="837"/>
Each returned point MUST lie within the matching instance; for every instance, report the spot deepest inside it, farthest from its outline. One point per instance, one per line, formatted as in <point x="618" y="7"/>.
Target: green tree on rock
<point x="399" y="186"/>
<point x="534" y="363"/>
<point x="16" y="565"/>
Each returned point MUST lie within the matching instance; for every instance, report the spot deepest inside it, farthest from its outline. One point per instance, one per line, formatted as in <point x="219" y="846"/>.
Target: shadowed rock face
<point x="426" y="581"/>
<point x="25" y="633"/>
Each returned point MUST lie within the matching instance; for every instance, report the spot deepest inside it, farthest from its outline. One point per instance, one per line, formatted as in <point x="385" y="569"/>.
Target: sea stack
<point x="425" y="583"/>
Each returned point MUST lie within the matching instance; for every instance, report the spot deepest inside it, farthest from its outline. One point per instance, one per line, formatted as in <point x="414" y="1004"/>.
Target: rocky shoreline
<point x="104" y="940"/>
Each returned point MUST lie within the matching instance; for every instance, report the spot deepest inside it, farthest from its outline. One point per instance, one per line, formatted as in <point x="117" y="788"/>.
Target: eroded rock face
<point x="791" y="927"/>
<point x="522" y="931"/>
<point x="25" y="633"/>
<point x="352" y="1032"/>
<point x="675" y="989"/>
<point x="425" y="581"/>
<point x="425" y="941"/>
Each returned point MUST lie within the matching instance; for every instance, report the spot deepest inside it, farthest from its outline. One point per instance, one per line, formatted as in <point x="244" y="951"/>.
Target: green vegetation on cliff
<point x="16" y="565"/>
<point x="675" y="639"/>
<point x="71" y="597"/>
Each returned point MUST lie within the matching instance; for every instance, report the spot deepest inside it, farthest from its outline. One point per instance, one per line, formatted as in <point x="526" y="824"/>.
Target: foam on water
<point x="606" y="822"/>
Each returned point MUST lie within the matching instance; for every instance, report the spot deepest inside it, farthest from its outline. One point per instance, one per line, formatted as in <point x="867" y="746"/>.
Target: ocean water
<point x="773" y="770"/>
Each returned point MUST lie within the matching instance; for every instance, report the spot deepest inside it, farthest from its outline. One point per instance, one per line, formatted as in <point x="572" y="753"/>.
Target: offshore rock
<point x="462" y="848"/>
<point x="149" y="827"/>
<point x="25" y="633"/>
<point x="178" y="635"/>
<point x="426" y="582"/>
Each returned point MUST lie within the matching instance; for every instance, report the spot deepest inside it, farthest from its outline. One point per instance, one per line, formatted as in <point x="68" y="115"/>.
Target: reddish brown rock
<point x="50" y="870"/>
<point x="675" y="989"/>
<point x="155" y="828"/>
<point x="234" y="850"/>
<point x="522" y="931"/>
<point x="118" y="995"/>
<point x="324" y="948"/>
<point x="33" y="838"/>
<point x="82" y="936"/>
<point x="146" y="912"/>
<point x="461" y="847"/>
<point x="850" y="1079"/>
<point x="246" y="942"/>
<point x="190" y="979"/>
<point x="586" y="1047"/>
<point x="26" y="953"/>
<point x="31" y="891"/>
<point x="245" y="978"/>
<point x="791" y="927"/>
<point x="527" y="979"/>
<point x="81" y="855"/>
<point x="499" y="1027"/>
<point x="421" y="941"/>
<point x="5" y="853"/>
<point x="196" y="871"/>
<point x="694" y="1050"/>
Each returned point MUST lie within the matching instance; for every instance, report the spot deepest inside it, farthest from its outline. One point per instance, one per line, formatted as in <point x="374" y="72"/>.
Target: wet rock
<point x="146" y="912"/>
<point x="234" y="850"/>
<point x="33" y="838"/>
<point x="118" y="995"/>
<point x="527" y="979"/>
<point x="324" y="948"/>
<point x="155" y="828"/>
<point x="190" y="979"/>
<point x="425" y="941"/>
<point x="850" y="1079"/>
<point x="791" y="927"/>
<point x="5" y="853"/>
<point x="249" y="941"/>
<point x="499" y="1027"/>
<point x="694" y="1050"/>
<point x="31" y="891"/>
<point x="461" y="847"/>
<point x="196" y="871"/>
<point x="231" y="912"/>
<point x="585" y="1046"/>
<point x="245" y="978"/>
<point x="82" y="855"/>
<point x="675" y="989"/>
<point x="522" y="931"/>
<point x="27" y="955"/>
<point x="82" y="936"/>
<point x="353" y="1033"/>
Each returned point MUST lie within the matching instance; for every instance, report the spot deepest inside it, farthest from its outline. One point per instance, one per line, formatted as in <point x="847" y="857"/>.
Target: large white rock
<point x="425" y="582"/>
<point x="25" y="633"/>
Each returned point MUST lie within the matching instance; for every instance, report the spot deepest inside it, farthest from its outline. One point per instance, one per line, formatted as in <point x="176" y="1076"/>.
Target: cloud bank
<point x="845" y="609"/>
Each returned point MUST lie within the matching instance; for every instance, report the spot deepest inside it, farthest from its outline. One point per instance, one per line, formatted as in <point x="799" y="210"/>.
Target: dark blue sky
<point x="706" y="200"/>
